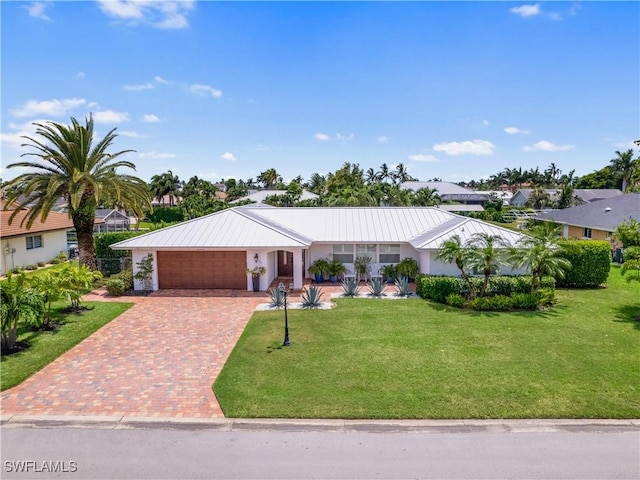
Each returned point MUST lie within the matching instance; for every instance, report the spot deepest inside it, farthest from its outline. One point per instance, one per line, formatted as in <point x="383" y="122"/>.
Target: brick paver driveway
<point x="158" y="359"/>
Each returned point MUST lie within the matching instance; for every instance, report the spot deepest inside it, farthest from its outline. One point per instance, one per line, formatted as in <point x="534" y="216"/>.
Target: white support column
<point x="297" y="269"/>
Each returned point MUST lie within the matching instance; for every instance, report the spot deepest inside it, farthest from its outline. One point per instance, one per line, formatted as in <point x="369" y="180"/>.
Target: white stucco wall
<point x="52" y="244"/>
<point x="437" y="267"/>
<point x="136" y="257"/>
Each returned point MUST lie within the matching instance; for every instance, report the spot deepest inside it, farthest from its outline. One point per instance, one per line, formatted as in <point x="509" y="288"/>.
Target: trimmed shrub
<point x="31" y="267"/>
<point x="438" y="288"/>
<point x="455" y="300"/>
<point x="496" y="304"/>
<point x="166" y="215"/>
<point x="590" y="263"/>
<point x="546" y="297"/>
<point x="115" y="287"/>
<point x="41" y="264"/>
<point x="103" y="242"/>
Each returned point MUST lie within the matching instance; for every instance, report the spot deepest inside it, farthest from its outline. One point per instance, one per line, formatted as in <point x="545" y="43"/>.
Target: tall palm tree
<point x="317" y="183"/>
<point x="71" y="166"/>
<point x="486" y="253"/>
<point x="401" y="174"/>
<point x="426" y="197"/>
<point x="166" y="185"/>
<point x="541" y="253"/>
<point x="270" y="178"/>
<point x="453" y="251"/>
<point x="625" y="166"/>
<point x="384" y="174"/>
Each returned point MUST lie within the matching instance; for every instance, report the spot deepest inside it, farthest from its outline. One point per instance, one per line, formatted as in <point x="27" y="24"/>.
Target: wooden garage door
<point x="202" y="270"/>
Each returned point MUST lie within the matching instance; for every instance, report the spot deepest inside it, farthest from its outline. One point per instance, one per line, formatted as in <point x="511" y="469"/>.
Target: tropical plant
<point x="72" y="167"/>
<point x="350" y="287"/>
<point x="388" y="271"/>
<point x="145" y="272"/>
<point x="270" y="178"/>
<point x="319" y="268"/>
<point x="165" y="185"/>
<point x="48" y="285"/>
<point x="75" y="280"/>
<point x="256" y="271"/>
<point x="542" y="255"/>
<point x="628" y="233"/>
<point x="408" y="267"/>
<point x="633" y="268"/>
<point x="402" y="284"/>
<point x="486" y="254"/>
<point x="336" y="268"/>
<point x="276" y="297"/>
<point x="453" y="251"/>
<point x="19" y="302"/>
<point x="361" y="264"/>
<point x="376" y="287"/>
<point x="311" y="297"/>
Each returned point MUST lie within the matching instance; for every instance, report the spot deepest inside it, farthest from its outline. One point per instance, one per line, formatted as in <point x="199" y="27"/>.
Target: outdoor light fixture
<point x="256" y="258"/>
<point x="283" y="291"/>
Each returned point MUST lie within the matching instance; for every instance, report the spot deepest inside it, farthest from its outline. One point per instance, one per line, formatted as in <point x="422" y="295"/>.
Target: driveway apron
<point x="157" y="359"/>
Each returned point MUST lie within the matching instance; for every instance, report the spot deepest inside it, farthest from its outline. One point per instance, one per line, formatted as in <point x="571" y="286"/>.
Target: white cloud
<point x="516" y="130"/>
<point x="205" y="89"/>
<point x="485" y="123"/>
<point x="150" y="118"/>
<point x="54" y="108"/>
<point x="137" y="88"/>
<point x="526" y="10"/>
<point x="37" y="10"/>
<point x="14" y="138"/>
<point x="80" y="75"/>
<point x="383" y="139"/>
<point x="323" y="137"/>
<point x="156" y="155"/>
<point x="160" y="80"/>
<point x="131" y="134"/>
<point x="468" y="147"/>
<point x="109" y="116"/>
<point x="345" y="138"/>
<point x="228" y="156"/>
<point x="163" y="15"/>
<point x="546" y="146"/>
<point x="423" y="158"/>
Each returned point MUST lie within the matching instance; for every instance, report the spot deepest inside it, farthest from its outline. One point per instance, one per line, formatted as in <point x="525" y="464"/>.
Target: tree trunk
<point x="83" y="219"/>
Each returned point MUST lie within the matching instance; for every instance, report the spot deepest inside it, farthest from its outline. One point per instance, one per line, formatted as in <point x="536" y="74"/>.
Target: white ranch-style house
<point x="214" y="251"/>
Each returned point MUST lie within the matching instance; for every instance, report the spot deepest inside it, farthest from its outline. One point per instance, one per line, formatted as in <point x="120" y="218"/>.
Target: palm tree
<point x="371" y="176"/>
<point x="541" y="253"/>
<point x="625" y="166"/>
<point x="270" y="178"/>
<point x="72" y="167"/>
<point x="384" y="174"/>
<point x="317" y="183"/>
<point x="486" y="253"/>
<point x="426" y="197"/>
<point x="165" y="185"/>
<point x="401" y="175"/>
<point x="453" y="251"/>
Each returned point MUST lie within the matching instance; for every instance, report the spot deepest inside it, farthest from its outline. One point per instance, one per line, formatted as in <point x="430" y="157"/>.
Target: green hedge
<point x="590" y="263"/>
<point x="103" y="242"/>
<point x="166" y="215"/>
<point x="438" y="288"/>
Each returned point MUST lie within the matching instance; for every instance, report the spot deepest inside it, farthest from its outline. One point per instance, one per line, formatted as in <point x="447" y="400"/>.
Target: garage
<point x="202" y="269"/>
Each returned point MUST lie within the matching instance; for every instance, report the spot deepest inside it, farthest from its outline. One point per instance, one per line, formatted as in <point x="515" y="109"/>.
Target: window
<point x="586" y="233"/>
<point x="389" y="253"/>
<point x="34" y="241"/>
<point x="343" y="253"/>
<point x="366" y="251"/>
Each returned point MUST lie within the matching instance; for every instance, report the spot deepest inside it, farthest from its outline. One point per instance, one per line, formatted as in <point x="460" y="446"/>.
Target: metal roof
<point x="248" y="226"/>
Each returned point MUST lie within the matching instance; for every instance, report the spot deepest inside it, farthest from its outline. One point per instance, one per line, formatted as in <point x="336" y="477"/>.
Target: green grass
<point x="47" y="346"/>
<point x="417" y="359"/>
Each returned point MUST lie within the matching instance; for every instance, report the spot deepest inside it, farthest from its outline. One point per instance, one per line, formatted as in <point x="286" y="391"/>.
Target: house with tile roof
<point x="214" y="251"/>
<point x="597" y="220"/>
<point x="40" y="243"/>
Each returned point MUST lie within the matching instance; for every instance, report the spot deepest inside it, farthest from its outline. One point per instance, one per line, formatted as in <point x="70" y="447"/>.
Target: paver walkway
<point x="158" y="359"/>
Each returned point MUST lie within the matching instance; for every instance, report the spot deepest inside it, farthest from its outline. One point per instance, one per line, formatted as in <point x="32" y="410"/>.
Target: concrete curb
<point x="327" y="425"/>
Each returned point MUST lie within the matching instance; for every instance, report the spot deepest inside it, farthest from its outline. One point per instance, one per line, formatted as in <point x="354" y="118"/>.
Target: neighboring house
<point x="42" y="242"/>
<point x="215" y="250"/>
<point x="259" y="196"/>
<point x="597" y="220"/>
<point x="113" y="221"/>
<point x="521" y="197"/>
<point x="450" y="192"/>
<point x="165" y="201"/>
<point x="504" y="195"/>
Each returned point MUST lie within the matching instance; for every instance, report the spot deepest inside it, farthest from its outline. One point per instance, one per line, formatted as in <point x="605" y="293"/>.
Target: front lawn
<point x="47" y="346"/>
<point x="417" y="359"/>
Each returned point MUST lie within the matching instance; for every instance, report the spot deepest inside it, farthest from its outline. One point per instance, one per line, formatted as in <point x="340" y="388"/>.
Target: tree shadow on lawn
<point x="628" y="314"/>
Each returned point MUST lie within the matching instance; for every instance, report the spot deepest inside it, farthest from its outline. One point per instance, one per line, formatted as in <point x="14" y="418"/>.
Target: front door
<point x="285" y="264"/>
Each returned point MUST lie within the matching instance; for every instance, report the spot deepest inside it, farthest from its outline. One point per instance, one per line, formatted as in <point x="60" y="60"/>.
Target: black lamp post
<point x="286" y="342"/>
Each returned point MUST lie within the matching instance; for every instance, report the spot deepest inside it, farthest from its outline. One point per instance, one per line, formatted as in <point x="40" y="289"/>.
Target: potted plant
<point x="408" y="267"/>
<point x="361" y="264"/>
<point x="389" y="271"/>
<point x="255" y="273"/>
<point x="335" y="269"/>
<point x="319" y="268"/>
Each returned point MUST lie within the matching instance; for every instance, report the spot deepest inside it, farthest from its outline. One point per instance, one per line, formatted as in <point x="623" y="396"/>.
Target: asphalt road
<point x="87" y="452"/>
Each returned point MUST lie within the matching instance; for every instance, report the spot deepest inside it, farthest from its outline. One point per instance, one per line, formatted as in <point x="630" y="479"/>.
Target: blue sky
<point x="456" y="90"/>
